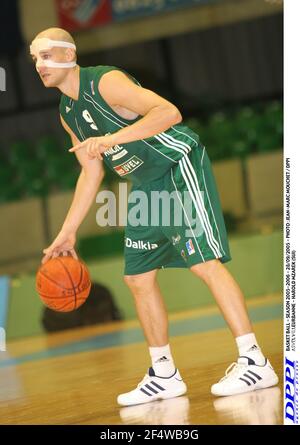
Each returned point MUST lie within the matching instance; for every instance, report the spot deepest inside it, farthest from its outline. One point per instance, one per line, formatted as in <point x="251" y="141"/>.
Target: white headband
<point x="43" y="44"/>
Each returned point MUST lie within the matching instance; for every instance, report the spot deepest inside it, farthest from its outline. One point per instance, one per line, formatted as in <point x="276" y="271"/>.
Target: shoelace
<point x="232" y="369"/>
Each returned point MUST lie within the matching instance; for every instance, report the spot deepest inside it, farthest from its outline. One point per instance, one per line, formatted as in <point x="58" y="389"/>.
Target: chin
<point x="49" y="83"/>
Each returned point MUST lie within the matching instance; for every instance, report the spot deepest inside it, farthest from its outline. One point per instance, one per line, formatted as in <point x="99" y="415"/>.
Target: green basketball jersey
<point x="139" y="161"/>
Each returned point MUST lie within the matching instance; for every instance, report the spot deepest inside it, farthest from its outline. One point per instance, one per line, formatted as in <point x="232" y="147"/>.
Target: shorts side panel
<point x="202" y="235"/>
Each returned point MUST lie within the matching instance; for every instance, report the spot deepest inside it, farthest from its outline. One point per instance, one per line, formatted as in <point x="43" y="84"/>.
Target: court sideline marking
<point x="121" y="337"/>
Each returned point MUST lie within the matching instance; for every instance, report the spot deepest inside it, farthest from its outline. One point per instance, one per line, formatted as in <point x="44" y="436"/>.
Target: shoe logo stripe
<point x="249" y="377"/>
<point x="255" y="375"/>
<point x="157" y="385"/>
<point x="249" y="384"/>
<point x="146" y="392"/>
<point x="151" y="389"/>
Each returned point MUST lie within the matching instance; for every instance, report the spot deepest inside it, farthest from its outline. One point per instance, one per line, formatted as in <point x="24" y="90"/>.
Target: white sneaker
<point x="245" y="376"/>
<point x="152" y="388"/>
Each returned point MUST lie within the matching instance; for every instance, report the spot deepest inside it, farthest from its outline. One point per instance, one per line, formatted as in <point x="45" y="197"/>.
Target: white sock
<point x="162" y="361"/>
<point x="248" y="346"/>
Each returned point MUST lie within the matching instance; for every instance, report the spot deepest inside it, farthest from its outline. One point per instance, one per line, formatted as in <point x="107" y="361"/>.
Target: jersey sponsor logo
<point x="113" y="150"/>
<point x="119" y="155"/>
<point x="176" y="239"/>
<point x="190" y="247"/>
<point x="129" y="166"/>
<point x="68" y="109"/>
<point x="182" y="253"/>
<point x="142" y="245"/>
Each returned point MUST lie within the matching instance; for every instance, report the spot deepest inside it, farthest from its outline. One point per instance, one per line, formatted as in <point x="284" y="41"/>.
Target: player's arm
<point x="90" y="178"/>
<point x="158" y="113"/>
<point x="118" y="90"/>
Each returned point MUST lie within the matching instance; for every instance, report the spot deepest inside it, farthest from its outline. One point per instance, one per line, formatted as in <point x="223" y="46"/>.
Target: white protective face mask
<point x="44" y="44"/>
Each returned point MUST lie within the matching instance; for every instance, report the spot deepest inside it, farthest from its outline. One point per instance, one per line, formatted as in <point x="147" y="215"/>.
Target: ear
<point x="70" y="54"/>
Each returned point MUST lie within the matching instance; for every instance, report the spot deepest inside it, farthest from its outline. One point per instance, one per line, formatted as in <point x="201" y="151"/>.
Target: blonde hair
<point x="56" y="34"/>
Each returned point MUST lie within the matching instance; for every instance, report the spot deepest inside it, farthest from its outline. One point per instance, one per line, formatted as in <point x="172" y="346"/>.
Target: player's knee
<point x="205" y="270"/>
<point x="134" y="282"/>
<point x="138" y="283"/>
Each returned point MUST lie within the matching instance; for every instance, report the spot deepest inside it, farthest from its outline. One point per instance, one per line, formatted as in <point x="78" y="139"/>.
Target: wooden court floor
<point x="74" y="377"/>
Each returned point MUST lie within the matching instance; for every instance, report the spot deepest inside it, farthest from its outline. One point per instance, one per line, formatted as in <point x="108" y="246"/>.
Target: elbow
<point x="176" y="116"/>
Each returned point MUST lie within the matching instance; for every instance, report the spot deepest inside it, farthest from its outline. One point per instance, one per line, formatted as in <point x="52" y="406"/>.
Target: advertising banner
<point x="82" y="14"/>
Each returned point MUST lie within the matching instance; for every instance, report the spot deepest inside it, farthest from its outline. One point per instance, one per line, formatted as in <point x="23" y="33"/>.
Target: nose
<point x="41" y="70"/>
<point x="40" y="67"/>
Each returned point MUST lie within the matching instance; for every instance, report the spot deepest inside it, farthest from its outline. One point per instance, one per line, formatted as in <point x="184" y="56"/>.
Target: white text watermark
<point x="2" y="79"/>
<point x="157" y="208"/>
<point x="2" y="340"/>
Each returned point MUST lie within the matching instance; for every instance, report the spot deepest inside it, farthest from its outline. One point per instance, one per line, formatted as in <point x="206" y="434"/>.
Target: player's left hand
<point x="95" y="146"/>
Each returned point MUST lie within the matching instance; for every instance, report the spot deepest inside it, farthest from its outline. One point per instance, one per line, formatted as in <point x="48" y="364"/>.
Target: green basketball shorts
<point x="177" y="220"/>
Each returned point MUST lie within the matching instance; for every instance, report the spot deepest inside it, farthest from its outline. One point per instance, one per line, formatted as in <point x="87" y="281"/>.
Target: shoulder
<point x="110" y="72"/>
<point x="96" y="72"/>
<point x="118" y="75"/>
<point x="115" y="82"/>
<point x="93" y="75"/>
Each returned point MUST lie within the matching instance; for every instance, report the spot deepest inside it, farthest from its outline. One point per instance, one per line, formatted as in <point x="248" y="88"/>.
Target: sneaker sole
<point x="270" y="383"/>
<point x="154" y="399"/>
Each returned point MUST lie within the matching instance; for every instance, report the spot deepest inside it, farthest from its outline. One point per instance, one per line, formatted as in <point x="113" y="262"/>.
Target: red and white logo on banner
<point x="81" y="14"/>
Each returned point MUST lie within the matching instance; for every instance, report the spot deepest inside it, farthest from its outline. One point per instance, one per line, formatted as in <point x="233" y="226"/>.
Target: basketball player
<point x="112" y="119"/>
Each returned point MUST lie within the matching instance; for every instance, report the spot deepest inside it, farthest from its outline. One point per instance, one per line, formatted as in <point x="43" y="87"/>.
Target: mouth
<point x="45" y="76"/>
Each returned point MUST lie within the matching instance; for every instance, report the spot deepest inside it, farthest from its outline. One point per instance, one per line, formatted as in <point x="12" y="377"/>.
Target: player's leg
<point x="227" y="293"/>
<point x="146" y="251"/>
<point x="253" y="370"/>
<point x="162" y="380"/>
<point x="150" y="307"/>
<point x="153" y="317"/>
<point x="204" y="254"/>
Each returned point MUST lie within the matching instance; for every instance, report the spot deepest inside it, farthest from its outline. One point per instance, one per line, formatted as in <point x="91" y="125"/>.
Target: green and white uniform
<point x="173" y="160"/>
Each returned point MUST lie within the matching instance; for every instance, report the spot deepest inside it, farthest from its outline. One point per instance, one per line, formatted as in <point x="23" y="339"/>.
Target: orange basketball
<point x="63" y="283"/>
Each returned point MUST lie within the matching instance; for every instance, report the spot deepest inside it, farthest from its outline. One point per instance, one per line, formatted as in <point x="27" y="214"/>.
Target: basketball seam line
<point x="53" y="281"/>
<point x="57" y="284"/>
<point x="56" y="298"/>
<point x="61" y="308"/>
<point x="75" y="295"/>
<point x="81" y="276"/>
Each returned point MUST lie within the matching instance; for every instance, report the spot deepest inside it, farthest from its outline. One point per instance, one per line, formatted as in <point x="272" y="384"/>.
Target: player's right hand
<point x="62" y="245"/>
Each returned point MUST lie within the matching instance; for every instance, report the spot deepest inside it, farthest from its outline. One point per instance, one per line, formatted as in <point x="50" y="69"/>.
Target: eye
<point x="45" y="56"/>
